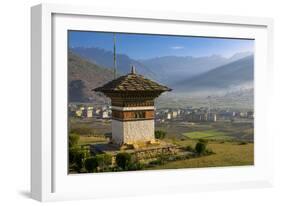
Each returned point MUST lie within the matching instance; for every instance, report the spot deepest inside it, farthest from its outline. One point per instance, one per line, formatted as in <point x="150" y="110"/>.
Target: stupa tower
<point x="132" y="99"/>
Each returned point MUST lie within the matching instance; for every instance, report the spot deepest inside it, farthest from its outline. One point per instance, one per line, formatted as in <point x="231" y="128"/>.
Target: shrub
<point x="79" y="160"/>
<point x="72" y="153"/>
<point x="136" y="166"/>
<point x="204" y="141"/>
<point x="91" y="164"/>
<point x="98" y="162"/>
<point x="103" y="160"/>
<point x="200" y="147"/>
<point x="161" y="159"/>
<point x="73" y="139"/>
<point x="123" y="160"/>
<point x="209" y="151"/>
<point x="189" y="148"/>
<point x="159" y="134"/>
<point x="156" y="162"/>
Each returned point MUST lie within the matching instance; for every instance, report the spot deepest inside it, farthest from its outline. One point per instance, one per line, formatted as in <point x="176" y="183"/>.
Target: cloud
<point x="177" y="47"/>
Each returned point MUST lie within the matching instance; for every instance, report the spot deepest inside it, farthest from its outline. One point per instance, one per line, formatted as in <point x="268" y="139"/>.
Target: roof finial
<point x="133" y="70"/>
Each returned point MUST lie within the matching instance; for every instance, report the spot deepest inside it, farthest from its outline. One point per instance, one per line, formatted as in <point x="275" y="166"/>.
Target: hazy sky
<point x="139" y="46"/>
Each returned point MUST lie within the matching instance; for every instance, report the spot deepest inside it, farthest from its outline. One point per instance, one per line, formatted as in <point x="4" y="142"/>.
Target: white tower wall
<point x="130" y="132"/>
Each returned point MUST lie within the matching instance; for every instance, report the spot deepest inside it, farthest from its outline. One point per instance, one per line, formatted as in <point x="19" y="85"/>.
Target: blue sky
<point x="139" y="46"/>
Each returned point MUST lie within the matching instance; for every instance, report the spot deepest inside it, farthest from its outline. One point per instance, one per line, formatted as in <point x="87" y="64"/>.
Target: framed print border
<point x="44" y="88"/>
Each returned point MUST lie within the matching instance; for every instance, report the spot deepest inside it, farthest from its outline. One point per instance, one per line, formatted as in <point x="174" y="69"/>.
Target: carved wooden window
<point x="140" y="114"/>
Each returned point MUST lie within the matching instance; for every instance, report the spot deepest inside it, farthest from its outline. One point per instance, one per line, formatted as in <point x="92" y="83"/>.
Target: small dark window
<point x="139" y="114"/>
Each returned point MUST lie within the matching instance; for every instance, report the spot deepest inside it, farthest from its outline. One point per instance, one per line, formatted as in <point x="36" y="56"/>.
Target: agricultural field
<point x="208" y="135"/>
<point x="90" y="127"/>
<point x="84" y="140"/>
<point x="222" y="130"/>
<point x="231" y="143"/>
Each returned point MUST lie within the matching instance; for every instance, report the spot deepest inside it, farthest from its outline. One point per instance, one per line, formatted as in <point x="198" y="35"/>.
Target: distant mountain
<point x="174" y="68"/>
<point x="83" y="76"/>
<point x="233" y="76"/>
<point x="240" y="55"/>
<point x="166" y="70"/>
<point x="104" y="58"/>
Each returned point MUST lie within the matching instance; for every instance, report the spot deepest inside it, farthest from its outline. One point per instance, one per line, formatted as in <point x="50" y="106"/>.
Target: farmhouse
<point x="88" y="112"/>
<point x="132" y="98"/>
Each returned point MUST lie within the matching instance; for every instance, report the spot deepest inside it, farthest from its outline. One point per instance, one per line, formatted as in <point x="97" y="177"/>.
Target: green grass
<point x="226" y="154"/>
<point x="208" y="134"/>
<point x="91" y="140"/>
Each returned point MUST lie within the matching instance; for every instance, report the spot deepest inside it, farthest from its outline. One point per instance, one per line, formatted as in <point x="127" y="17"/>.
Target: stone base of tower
<point x="132" y="132"/>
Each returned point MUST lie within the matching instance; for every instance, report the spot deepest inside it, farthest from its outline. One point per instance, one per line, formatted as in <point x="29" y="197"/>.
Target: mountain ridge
<point x="165" y="69"/>
<point x="83" y="76"/>
<point x="104" y="58"/>
<point x="235" y="75"/>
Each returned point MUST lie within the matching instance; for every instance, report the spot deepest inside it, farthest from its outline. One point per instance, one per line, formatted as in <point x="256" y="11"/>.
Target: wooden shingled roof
<point x="132" y="82"/>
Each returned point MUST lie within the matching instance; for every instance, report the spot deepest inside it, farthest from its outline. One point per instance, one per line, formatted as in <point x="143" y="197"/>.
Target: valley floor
<point x="231" y="143"/>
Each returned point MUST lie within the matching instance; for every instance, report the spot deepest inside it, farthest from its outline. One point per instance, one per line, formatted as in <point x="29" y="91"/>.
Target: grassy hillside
<point x="226" y="154"/>
<point x="104" y="58"/>
<point x="83" y="76"/>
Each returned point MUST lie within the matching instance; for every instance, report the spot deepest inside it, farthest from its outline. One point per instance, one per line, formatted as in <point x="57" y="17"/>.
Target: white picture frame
<point x="49" y="179"/>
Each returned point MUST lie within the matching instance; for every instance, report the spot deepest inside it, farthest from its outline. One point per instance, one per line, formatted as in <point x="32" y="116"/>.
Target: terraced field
<point x="208" y="135"/>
